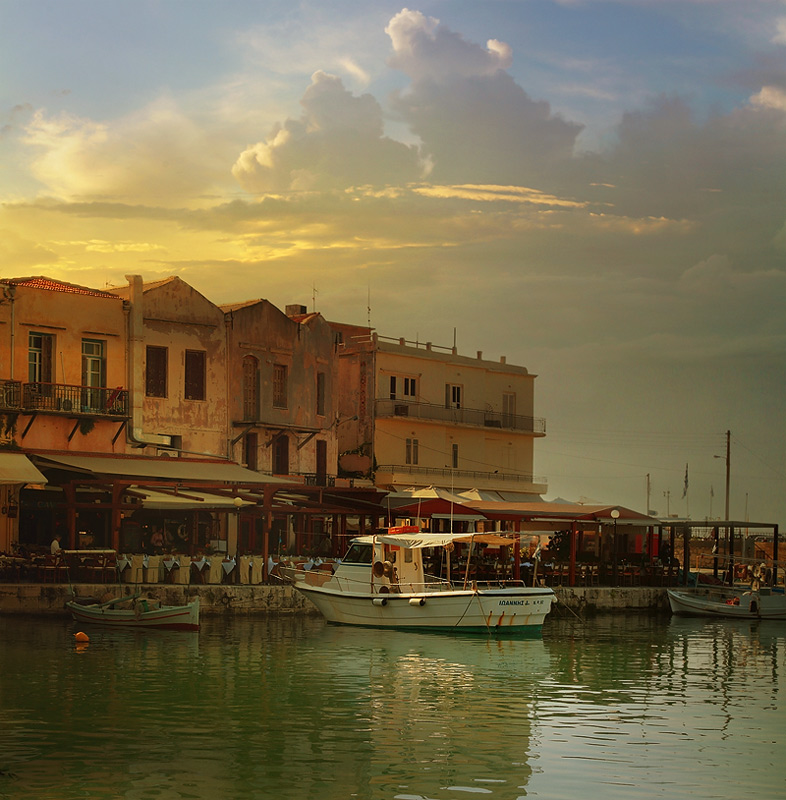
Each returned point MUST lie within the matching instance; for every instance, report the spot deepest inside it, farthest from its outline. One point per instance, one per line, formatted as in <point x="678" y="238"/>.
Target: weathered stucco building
<point x="425" y="415"/>
<point x="283" y="372"/>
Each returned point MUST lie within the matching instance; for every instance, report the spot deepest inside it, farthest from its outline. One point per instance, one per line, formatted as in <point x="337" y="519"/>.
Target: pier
<point x="48" y="599"/>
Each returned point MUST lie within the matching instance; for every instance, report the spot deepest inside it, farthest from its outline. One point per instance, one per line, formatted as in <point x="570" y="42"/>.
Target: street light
<point x="615" y="515"/>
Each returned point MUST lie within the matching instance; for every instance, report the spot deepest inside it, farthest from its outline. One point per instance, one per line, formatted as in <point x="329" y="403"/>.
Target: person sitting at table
<point x="157" y="541"/>
<point x="54" y="547"/>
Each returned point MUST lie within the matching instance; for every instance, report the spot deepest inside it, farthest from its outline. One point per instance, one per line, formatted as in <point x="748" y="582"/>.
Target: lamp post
<point x="729" y="528"/>
<point x="615" y="515"/>
<point x="727" y="458"/>
<point x="237" y="502"/>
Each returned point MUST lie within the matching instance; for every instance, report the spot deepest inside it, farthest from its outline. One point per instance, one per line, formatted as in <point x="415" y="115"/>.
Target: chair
<point x="200" y="569"/>
<point x="214" y="572"/>
<point x="152" y="569"/>
<point x="257" y="564"/>
<point x="107" y="567"/>
<point x="244" y="567"/>
<point x="89" y="570"/>
<point x="52" y="568"/>
<point x="137" y="568"/>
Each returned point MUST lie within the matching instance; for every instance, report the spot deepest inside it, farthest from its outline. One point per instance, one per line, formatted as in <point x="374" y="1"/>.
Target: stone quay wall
<point x="263" y="600"/>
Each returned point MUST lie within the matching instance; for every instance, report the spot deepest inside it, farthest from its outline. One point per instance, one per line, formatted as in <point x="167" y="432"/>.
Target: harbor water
<point x="622" y="706"/>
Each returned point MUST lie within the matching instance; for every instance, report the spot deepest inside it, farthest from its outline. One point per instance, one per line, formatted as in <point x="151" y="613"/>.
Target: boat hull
<point x="740" y="605"/>
<point x="519" y="610"/>
<point x="183" y="618"/>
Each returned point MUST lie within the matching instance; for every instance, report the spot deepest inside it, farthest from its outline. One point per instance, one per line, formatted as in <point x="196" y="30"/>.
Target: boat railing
<point x="431" y="584"/>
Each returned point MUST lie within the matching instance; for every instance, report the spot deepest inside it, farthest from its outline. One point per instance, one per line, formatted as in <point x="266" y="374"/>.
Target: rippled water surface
<point x="616" y="707"/>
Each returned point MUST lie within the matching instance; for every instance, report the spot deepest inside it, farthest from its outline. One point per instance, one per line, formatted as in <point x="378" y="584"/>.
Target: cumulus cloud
<point x="337" y="142"/>
<point x="770" y="97"/>
<point x="158" y="154"/>
<point x="780" y="31"/>
<point x="475" y="123"/>
<point x="422" y="48"/>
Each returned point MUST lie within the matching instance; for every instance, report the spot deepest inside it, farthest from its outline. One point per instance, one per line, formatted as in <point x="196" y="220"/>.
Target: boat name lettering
<point x="514" y="603"/>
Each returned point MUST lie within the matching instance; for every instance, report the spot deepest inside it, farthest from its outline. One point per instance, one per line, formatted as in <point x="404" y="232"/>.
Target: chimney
<point x="295" y="310"/>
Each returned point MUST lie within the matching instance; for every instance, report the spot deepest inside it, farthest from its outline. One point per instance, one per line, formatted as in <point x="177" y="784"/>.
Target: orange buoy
<point x="81" y="637"/>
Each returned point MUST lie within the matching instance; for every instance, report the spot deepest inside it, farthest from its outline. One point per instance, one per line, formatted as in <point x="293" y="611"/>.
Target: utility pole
<point x="667" y="494"/>
<point x="728" y="470"/>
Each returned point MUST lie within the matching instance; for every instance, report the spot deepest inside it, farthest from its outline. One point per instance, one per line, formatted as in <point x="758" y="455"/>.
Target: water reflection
<point x="292" y="708"/>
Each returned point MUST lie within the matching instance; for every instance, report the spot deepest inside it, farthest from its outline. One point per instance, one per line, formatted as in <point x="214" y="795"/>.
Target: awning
<point x="438" y="508"/>
<point x="415" y="541"/>
<point x="560" y="512"/>
<point x="171" y="469"/>
<point x="188" y="500"/>
<point x="17" y="468"/>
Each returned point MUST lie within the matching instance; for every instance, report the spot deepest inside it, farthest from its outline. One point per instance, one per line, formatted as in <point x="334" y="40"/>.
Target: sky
<point x="594" y="190"/>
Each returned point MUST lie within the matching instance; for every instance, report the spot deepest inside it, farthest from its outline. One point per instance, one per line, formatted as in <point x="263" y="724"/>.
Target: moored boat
<point x="134" y="611"/>
<point x="762" y="603"/>
<point x="382" y="582"/>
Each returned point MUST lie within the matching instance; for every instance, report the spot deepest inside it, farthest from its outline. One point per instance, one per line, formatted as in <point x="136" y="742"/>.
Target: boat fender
<point x="387" y="569"/>
<point x="417" y="601"/>
<point x="378" y="569"/>
<point x="380" y="601"/>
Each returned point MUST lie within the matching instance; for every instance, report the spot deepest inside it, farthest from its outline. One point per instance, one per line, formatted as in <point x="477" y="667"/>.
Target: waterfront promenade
<point x="49" y="599"/>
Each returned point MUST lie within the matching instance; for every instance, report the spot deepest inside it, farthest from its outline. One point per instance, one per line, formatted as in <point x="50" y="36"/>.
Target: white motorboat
<point x="382" y="582"/>
<point x="134" y="611"/>
<point x="761" y="603"/>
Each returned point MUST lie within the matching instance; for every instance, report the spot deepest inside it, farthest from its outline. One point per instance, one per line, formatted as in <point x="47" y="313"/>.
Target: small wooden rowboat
<point x="137" y="612"/>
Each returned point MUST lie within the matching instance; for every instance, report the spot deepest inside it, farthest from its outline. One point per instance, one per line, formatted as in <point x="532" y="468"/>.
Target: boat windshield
<point x="358" y="554"/>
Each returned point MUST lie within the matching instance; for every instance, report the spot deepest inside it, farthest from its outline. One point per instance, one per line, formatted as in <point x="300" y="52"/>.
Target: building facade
<point x="283" y="370"/>
<point x="420" y="415"/>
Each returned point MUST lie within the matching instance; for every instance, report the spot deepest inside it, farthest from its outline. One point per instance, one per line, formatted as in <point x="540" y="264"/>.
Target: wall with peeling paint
<point x="302" y="344"/>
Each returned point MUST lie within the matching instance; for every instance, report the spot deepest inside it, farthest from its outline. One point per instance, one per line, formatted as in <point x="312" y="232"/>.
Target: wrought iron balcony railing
<point x="63" y="398"/>
<point x="461" y="416"/>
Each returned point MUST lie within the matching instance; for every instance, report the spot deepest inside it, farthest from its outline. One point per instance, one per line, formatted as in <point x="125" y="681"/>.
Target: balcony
<point x="444" y="476"/>
<point x="432" y="412"/>
<point x="60" y="398"/>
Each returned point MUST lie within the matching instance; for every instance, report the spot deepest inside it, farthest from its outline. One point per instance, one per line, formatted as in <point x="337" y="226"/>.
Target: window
<point x="156" y="371"/>
<point x="411" y="451"/>
<point x="409" y="387"/>
<point x="250" y="449"/>
<point x="454" y="457"/>
<point x="281" y="455"/>
<point x="452" y="395"/>
<point x="40" y="349"/>
<point x="93" y="372"/>
<point x="196" y="361"/>
<point x="321" y="462"/>
<point x="250" y="388"/>
<point x="358" y="554"/>
<point x="279" y="386"/>
<point x="321" y="394"/>
<point x="508" y="409"/>
<point x="508" y="458"/>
